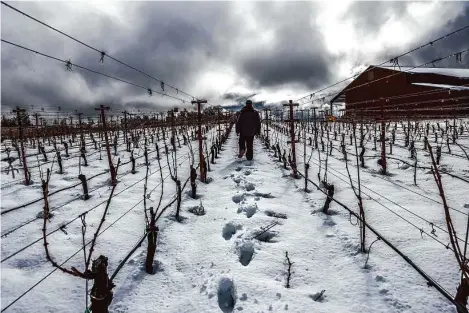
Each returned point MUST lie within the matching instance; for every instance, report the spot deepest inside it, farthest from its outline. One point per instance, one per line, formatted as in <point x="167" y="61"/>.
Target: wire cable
<point x="430" y="43"/>
<point x="89" y="70"/>
<point x="95" y="49"/>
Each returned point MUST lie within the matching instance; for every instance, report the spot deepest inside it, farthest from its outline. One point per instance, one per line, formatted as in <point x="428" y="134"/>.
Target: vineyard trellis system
<point x="283" y="131"/>
<point x="138" y="136"/>
<point x="372" y="121"/>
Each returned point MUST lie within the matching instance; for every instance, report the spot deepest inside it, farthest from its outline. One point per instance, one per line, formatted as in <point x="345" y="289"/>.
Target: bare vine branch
<point x="103" y="218"/>
<point x="451" y="230"/>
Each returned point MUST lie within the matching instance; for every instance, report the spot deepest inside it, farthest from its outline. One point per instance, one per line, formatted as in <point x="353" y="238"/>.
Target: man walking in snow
<point x="248" y="125"/>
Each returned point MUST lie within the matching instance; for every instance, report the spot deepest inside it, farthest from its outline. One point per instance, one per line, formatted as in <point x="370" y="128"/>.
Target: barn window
<point x="371" y="75"/>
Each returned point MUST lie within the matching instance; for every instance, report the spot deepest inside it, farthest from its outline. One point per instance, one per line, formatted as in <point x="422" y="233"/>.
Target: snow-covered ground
<point x="227" y="260"/>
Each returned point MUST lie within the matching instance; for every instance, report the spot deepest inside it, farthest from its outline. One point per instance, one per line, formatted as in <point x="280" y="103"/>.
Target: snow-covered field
<point x="232" y="258"/>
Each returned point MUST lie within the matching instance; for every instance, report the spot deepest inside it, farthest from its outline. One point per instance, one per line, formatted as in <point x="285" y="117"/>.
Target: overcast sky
<point x="221" y="51"/>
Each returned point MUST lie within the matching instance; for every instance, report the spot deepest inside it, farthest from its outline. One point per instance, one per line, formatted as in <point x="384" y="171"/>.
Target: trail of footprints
<point x="246" y="241"/>
<point x="244" y="244"/>
<point x="243" y="239"/>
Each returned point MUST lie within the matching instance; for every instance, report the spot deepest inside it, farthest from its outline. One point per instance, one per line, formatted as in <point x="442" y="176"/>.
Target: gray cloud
<point x="286" y="67"/>
<point x="448" y="46"/>
<point x="237" y="98"/>
<point x="370" y="16"/>
<point x="169" y="46"/>
<point x="297" y="54"/>
<point x="179" y="42"/>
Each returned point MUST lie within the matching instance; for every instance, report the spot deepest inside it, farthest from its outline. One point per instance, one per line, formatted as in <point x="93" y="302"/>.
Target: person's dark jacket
<point x="249" y="122"/>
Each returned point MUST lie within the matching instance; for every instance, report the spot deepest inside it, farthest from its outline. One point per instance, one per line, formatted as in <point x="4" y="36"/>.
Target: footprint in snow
<point x="226" y="295"/>
<point x="238" y="198"/>
<point x="245" y="253"/>
<point x="250" y="210"/>
<point x="380" y="278"/>
<point x="328" y="222"/>
<point x="229" y="230"/>
<point x="250" y="186"/>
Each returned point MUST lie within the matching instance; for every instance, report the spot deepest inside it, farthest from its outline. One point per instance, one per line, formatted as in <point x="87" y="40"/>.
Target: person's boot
<point x="249" y="153"/>
<point x="241" y="154"/>
<point x="249" y="150"/>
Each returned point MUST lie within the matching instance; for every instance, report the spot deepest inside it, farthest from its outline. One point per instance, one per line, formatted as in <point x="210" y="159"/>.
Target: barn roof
<point x="444" y="86"/>
<point x="454" y="72"/>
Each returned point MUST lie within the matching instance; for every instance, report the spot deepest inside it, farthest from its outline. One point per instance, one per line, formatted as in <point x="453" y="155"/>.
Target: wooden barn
<point x="396" y="93"/>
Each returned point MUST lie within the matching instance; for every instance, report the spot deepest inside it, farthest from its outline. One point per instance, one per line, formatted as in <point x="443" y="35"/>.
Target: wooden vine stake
<point x="292" y="138"/>
<point x="112" y="169"/>
<point x="19" y="115"/>
<point x="202" y="163"/>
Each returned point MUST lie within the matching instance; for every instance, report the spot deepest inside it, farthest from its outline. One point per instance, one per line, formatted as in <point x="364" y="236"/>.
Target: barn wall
<point x="440" y="102"/>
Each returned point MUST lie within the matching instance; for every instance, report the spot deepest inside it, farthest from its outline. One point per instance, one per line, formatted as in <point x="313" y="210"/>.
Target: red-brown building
<point x="406" y="93"/>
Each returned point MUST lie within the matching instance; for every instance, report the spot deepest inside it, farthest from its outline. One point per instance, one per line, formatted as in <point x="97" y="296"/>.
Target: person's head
<point x="249" y="103"/>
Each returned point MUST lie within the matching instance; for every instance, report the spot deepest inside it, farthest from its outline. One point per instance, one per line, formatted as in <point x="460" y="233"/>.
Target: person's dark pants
<point x="246" y="144"/>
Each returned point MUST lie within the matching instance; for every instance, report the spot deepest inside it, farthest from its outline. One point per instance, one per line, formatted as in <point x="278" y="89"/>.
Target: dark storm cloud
<point x="286" y="67"/>
<point x="297" y="54"/>
<point x="231" y="96"/>
<point x="237" y="97"/>
<point x="449" y="45"/>
<point x="29" y="79"/>
<point x="178" y="42"/>
<point x="171" y="41"/>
